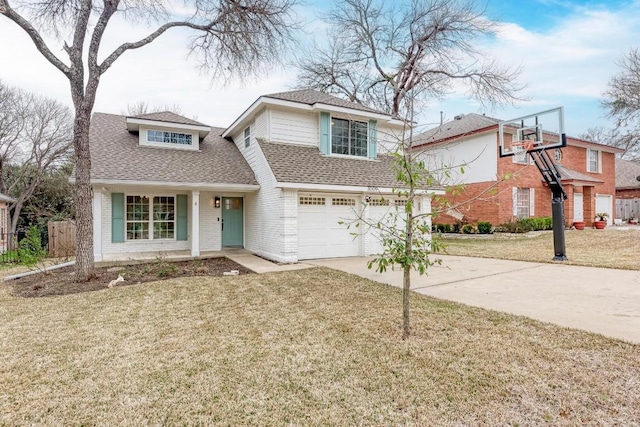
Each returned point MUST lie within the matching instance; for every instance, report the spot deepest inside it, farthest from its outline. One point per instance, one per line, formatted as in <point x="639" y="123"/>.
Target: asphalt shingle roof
<point x="460" y="126"/>
<point x="627" y="173"/>
<point x="305" y="164"/>
<point x="116" y="155"/>
<point x="311" y="97"/>
<point x="168" y="116"/>
<point x="567" y="174"/>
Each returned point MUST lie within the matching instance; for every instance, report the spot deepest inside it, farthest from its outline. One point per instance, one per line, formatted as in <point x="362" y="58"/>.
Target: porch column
<point x="195" y="223"/>
<point x="589" y="202"/>
<point x="97" y="224"/>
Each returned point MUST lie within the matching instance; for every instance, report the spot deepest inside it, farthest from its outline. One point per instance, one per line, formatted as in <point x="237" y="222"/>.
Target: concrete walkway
<point x="257" y="264"/>
<point x="600" y="300"/>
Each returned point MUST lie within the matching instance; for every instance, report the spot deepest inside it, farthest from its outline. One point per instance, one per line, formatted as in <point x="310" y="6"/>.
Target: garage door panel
<point x="604" y="203"/>
<point x="320" y="234"/>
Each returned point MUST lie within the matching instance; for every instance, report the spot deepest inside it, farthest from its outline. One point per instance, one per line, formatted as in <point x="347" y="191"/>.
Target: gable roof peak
<point x="168" y="116"/>
<point x="313" y="96"/>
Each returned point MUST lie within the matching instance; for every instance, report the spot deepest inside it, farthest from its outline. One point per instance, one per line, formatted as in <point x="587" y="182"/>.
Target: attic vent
<point x="458" y="117"/>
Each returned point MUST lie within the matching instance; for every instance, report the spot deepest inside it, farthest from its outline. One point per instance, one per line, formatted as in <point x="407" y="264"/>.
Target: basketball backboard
<point x="535" y="132"/>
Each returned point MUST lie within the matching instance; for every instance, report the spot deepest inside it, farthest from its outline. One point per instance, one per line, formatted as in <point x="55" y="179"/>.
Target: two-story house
<point x="487" y="187"/>
<point x="278" y="181"/>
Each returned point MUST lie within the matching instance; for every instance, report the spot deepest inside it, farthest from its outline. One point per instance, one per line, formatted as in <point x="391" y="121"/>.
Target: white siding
<point x="261" y="125"/>
<point x="264" y="209"/>
<point x="388" y="138"/>
<point x="477" y="156"/>
<point x="294" y="127"/>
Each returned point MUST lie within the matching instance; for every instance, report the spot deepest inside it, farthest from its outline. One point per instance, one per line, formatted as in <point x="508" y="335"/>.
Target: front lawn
<point x="309" y="347"/>
<point x="595" y="248"/>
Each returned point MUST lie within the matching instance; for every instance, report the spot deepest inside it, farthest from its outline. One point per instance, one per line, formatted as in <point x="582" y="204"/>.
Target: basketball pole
<point x="557" y="215"/>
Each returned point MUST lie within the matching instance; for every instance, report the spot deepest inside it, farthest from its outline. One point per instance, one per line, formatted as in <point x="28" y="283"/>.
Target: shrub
<point x="484" y="227"/>
<point x="468" y="229"/>
<point x="30" y="249"/>
<point x="526" y="224"/>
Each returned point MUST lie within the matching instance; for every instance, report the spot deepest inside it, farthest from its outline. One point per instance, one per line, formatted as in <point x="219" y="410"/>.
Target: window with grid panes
<point x="349" y="137"/>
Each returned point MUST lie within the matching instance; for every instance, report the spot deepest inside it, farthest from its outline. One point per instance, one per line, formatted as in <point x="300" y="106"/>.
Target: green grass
<point x="311" y="347"/>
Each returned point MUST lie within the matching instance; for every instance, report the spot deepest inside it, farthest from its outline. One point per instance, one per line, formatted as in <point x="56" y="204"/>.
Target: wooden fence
<point x="62" y="238"/>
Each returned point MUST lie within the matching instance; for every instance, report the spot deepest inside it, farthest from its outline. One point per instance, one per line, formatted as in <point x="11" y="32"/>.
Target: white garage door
<point x="319" y="233"/>
<point x="604" y="203"/>
<point x="380" y="211"/>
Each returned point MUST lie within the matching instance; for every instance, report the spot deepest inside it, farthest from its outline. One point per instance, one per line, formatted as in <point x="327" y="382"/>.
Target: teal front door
<point x="232" y="221"/>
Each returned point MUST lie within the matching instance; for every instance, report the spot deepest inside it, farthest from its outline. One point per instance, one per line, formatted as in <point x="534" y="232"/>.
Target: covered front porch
<point x="143" y="222"/>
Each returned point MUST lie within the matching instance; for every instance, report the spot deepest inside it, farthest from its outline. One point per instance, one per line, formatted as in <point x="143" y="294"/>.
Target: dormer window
<point x="349" y="137"/>
<point x="169" y="137"/>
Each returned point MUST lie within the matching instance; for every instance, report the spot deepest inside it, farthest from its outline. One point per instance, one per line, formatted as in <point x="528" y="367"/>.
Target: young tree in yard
<point x="379" y="52"/>
<point x="394" y="57"/>
<point x="229" y="37"/>
<point x="35" y="137"/>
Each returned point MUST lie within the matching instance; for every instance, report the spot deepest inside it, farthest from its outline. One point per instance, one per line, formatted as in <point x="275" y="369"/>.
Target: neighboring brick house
<point x="276" y="182"/>
<point x="627" y="189"/>
<point x="587" y="170"/>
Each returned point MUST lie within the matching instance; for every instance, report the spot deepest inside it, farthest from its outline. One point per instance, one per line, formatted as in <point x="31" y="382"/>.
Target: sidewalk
<point x="600" y="300"/>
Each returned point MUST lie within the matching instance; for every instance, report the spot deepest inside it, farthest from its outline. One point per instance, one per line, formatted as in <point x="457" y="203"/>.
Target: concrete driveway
<point x="600" y="300"/>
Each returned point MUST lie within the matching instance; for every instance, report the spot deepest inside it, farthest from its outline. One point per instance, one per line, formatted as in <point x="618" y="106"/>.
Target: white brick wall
<point x="263" y="210"/>
<point x="110" y="249"/>
<point x="210" y="223"/>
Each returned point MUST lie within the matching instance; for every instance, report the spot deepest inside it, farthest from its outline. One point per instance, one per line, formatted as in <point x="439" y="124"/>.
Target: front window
<point x="139" y="220"/>
<point x="164" y="137"/>
<point x="349" y="137"/>
<point x="593" y="161"/>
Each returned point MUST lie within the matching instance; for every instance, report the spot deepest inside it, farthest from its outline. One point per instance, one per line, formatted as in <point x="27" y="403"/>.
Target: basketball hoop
<point x="520" y="148"/>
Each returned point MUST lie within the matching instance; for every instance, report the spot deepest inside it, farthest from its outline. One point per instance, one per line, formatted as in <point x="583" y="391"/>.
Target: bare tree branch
<point x="378" y="54"/>
<point x="6" y="10"/>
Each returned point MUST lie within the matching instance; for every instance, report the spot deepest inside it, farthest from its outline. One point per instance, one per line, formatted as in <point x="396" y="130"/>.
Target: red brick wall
<point x="497" y="206"/>
<point x="628" y="194"/>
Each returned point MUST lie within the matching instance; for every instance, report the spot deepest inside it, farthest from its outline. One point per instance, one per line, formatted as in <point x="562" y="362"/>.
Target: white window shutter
<point x="515" y="200"/>
<point x="532" y="202"/>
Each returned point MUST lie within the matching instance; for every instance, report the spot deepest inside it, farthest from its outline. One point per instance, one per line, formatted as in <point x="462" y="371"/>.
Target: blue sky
<point x="567" y="49"/>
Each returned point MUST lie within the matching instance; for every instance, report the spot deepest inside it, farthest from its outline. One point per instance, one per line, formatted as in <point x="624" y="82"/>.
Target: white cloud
<point x="566" y="64"/>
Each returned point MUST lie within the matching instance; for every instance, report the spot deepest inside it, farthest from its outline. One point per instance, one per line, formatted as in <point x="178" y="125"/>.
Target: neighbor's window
<point x="349" y="137"/>
<point x="139" y="222"/>
<point x="523" y="203"/>
<point x="247" y="136"/>
<point x="593" y="160"/>
<point x="169" y="137"/>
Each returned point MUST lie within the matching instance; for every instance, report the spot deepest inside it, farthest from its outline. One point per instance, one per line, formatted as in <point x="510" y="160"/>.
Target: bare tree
<point x="627" y="139"/>
<point x="35" y="136"/>
<point x="622" y="102"/>
<point x="229" y="37"/>
<point x="141" y="107"/>
<point x="379" y="52"/>
<point x="622" y="98"/>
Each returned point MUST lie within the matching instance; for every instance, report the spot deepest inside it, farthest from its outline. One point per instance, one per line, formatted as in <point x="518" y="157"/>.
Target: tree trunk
<point x="406" y="286"/>
<point x="83" y="197"/>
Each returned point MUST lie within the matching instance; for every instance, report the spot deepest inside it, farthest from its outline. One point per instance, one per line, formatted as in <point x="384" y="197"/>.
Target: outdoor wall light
<point x="216" y="202"/>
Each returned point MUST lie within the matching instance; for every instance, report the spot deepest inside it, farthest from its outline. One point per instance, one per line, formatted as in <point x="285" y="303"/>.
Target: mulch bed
<point x="60" y="282"/>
